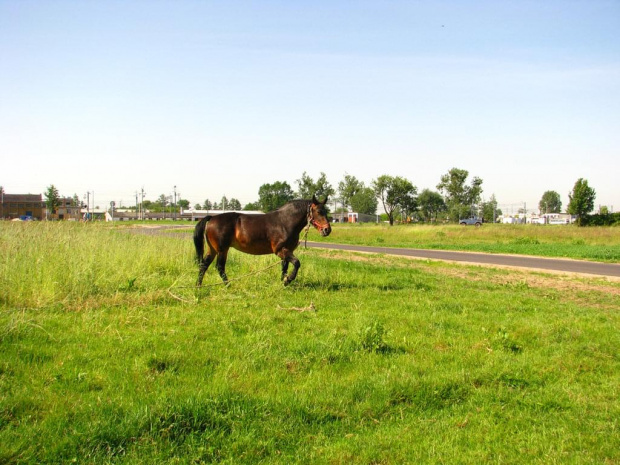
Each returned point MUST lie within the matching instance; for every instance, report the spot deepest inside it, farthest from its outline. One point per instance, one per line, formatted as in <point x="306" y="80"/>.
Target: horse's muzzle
<point x="325" y="231"/>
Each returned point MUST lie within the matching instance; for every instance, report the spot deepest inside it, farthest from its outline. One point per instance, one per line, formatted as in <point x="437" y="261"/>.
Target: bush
<point x="371" y="337"/>
<point x="608" y="219"/>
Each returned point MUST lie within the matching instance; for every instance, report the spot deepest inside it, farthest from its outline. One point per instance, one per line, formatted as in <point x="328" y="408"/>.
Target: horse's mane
<point x="295" y="206"/>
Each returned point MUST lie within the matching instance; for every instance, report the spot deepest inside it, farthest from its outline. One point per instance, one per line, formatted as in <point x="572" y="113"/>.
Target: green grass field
<point x="108" y="355"/>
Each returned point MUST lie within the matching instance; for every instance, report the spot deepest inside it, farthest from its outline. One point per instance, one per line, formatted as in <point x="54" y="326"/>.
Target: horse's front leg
<point x="284" y="268"/>
<point x="287" y="258"/>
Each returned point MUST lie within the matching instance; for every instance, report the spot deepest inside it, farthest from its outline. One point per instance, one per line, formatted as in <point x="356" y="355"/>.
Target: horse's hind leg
<point x="221" y="264"/>
<point x="204" y="266"/>
<point x="205" y="263"/>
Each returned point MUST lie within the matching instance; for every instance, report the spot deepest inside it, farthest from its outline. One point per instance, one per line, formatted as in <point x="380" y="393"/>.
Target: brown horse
<point x="276" y="232"/>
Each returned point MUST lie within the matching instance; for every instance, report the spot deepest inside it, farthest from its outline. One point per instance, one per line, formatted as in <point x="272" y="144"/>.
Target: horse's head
<point x="317" y="215"/>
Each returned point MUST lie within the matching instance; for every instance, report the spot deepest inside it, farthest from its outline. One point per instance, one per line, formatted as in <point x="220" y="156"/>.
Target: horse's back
<point x="254" y="234"/>
<point x="247" y="233"/>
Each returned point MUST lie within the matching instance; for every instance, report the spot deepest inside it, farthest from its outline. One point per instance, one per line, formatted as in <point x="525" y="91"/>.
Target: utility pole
<point x="87" y="196"/>
<point x="174" y="205"/>
<point x="142" y="203"/>
<point x="177" y="206"/>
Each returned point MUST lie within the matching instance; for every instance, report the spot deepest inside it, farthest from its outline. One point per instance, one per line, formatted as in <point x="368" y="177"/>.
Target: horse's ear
<point x="325" y="200"/>
<point x="315" y="200"/>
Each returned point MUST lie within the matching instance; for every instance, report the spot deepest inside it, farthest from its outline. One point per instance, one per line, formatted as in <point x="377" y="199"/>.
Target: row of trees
<point x="163" y="203"/>
<point x="397" y="195"/>
<point x="455" y="198"/>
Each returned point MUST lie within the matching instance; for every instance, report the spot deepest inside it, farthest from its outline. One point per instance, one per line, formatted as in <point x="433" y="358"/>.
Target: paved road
<point x="545" y="264"/>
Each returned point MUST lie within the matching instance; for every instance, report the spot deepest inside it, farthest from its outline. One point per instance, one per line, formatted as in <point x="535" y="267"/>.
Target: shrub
<point x="371" y="337"/>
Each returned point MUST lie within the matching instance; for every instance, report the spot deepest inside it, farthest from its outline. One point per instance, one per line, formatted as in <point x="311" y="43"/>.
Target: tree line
<point x="456" y="197"/>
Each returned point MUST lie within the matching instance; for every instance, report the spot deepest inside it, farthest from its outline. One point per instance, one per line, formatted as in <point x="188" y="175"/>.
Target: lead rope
<point x="238" y="278"/>
<point x="308" y="227"/>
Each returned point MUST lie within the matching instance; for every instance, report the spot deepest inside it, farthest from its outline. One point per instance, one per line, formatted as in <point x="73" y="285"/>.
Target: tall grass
<point x="363" y="359"/>
<point x="61" y="263"/>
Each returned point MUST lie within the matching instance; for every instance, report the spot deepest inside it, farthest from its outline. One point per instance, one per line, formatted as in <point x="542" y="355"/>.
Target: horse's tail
<point x="199" y="237"/>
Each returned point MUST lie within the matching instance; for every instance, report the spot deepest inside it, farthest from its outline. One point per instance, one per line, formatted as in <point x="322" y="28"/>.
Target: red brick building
<point x="16" y="205"/>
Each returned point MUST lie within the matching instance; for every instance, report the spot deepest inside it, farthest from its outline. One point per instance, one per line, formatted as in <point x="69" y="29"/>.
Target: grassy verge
<point x="596" y="243"/>
<point x="108" y="356"/>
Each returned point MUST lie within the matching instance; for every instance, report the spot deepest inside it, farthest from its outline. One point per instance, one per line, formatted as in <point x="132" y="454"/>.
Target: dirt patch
<point x="534" y="278"/>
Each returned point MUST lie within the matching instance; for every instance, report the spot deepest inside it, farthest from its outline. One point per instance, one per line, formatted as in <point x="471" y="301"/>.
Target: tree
<point x="395" y="193"/>
<point x="183" y="203"/>
<point x="460" y="197"/>
<point x="364" y="201"/>
<point x="207" y="205"/>
<point x="307" y="187"/>
<point x="75" y="201"/>
<point x="162" y="200"/>
<point x="409" y="203"/>
<point x="234" y="204"/>
<point x="273" y="196"/>
<point x="252" y="206"/>
<point x="431" y="204"/>
<point x="490" y="212"/>
<point x="550" y="203"/>
<point x="581" y="200"/>
<point x="348" y="188"/>
<point x="224" y="203"/>
<point x="52" y="199"/>
<point x="354" y="193"/>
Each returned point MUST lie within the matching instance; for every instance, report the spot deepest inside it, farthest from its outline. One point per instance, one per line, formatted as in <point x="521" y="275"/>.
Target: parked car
<point x="471" y="222"/>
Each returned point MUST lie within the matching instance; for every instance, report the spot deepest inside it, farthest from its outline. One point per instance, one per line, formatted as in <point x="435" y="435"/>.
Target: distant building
<point x="352" y="217"/>
<point x="66" y="210"/>
<point x="532" y="218"/>
<point x="22" y="205"/>
<point x="558" y="218"/>
<point x="195" y="215"/>
<point x="98" y="214"/>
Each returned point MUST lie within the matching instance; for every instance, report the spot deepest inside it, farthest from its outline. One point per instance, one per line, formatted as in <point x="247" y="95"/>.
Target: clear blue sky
<point x="219" y="98"/>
